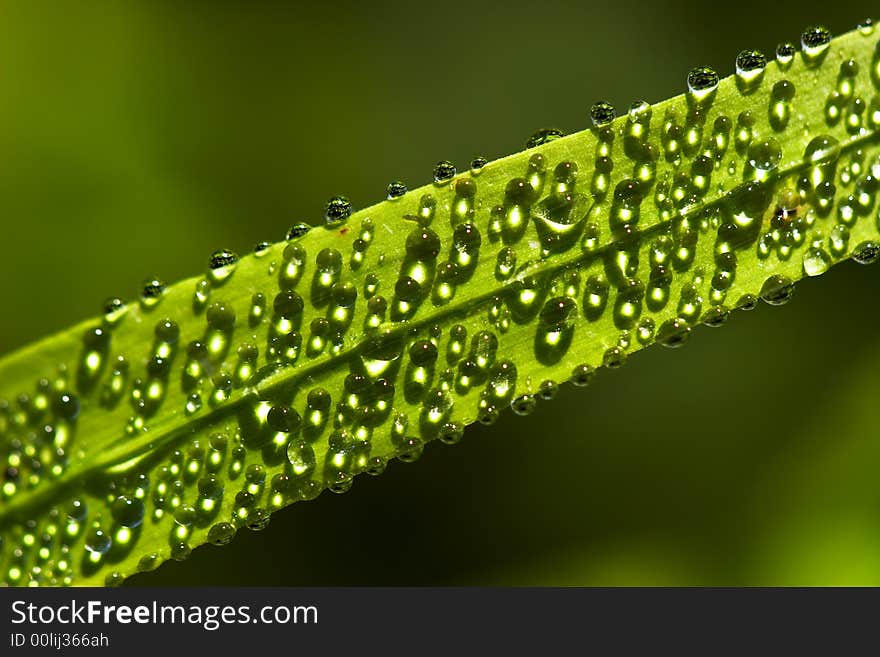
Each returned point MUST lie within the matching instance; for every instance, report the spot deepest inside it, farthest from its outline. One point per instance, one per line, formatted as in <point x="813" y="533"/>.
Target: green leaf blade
<point x="202" y="409"/>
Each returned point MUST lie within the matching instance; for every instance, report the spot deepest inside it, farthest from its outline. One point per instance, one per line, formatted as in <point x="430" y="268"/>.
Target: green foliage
<point x="206" y="405"/>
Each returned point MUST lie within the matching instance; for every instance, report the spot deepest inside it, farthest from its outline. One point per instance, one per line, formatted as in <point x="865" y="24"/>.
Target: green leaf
<point x="206" y="405"/>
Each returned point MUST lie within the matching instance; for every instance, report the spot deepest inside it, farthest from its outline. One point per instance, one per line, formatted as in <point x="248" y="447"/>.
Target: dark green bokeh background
<point x="137" y="137"/>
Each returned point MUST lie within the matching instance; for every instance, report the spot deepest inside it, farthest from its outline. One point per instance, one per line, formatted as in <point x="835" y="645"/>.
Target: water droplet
<point x="296" y="231"/>
<point x="222" y="265"/>
<point x="716" y="316"/>
<point x="544" y="136"/>
<point x="764" y="157"/>
<point x="151" y="292"/>
<point x="221" y="318"/>
<point x="548" y="389"/>
<point x="128" y="511"/>
<point x="193" y="404"/>
<point x="816" y="262"/>
<point x="866" y="253"/>
<point x="777" y="290"/>
<point x="785" y="54"/>
<point x="780" y="104"/>
<point x="395" y="190"/>
<point x="673" y="333"/>
<point x="838" y="240"/>
<point x="114" y="310"/>
<point x="97" y="542"/>
<point x="283" y="419"/>
<point x="66" y="406"/>
<point x="422" y="244"/>
<point x="180" y="551"/>
<point x="814" y="44"/>
<point x="444" y="171"/>
<point x="614" y="358"/>
<point x="477" y="165"/>
<point x="338" y="210"/>
<point x="221" y="533"/>
<point x="505" y="263"/>
<point x="602" y="114"/>
<point x="524" y="404"/>
<point x="750" y="65"/>
<point x="582" y="375"/>
<point x="702" y="82"/>
<point x="288" y="305"/>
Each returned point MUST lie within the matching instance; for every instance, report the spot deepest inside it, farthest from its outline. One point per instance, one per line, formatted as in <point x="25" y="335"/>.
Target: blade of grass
<point x="206" y="405"/>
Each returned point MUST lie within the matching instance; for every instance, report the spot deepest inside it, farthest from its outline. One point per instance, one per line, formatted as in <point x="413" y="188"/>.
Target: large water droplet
<point x="337" y="211"/>
<point x="444" y="171"/>
<point x="816" y="262"/>
<point x="814" y="44"/>
<point x="764" y="157"/>
<point x="702" y="82"/>
<point x="750" y="65"/>
<point x="777" y="290"/>
<point x="602" y="113"/>
<point x="222" y="264"/>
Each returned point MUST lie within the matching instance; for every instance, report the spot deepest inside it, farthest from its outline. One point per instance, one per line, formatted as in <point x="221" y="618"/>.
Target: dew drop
<point x="97" y="542"/>
<point x="814" y="44"/>
<point x="866" y="253"/>
<point x="702" y="82"/>
<point x="816" y="262"/>
<point x="673" y="333"/>
<point x="602" y="114"/>
<point x="221" y="533"/>
<point x="750" y="65"/>
<point x="444" y="171"/>
<point x="548" y="389"/>
<point x="114" y="310"/>
<point x="785" y="54"/>
<point x="128" y="511"/>
<point x="524" y="404"/>
<point x="395" y="190"/>
<point x="151" y="292"/>
<point x="777" y="290"/>
<point x="477" y="165"/>
<point x="338" y="210"/>
<point x="764" y="157"/>
<point x="222" y="265"/>
<point x="505" y="263"/>
<point x="582" y="375"/>
<point x="543" y="136"/>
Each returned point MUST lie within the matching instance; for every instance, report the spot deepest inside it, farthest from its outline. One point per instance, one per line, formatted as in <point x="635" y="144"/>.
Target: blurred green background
<point x="137" y="137"/>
